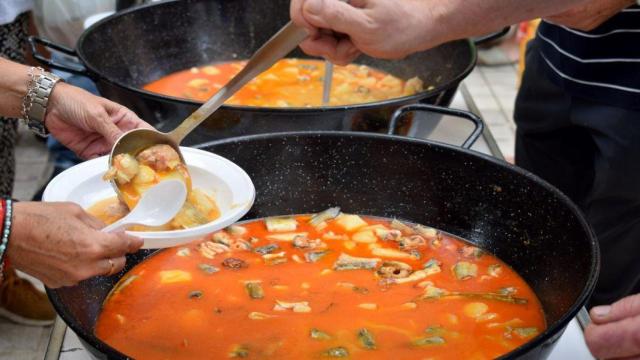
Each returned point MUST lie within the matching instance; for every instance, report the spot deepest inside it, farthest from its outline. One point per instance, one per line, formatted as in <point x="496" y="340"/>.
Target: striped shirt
<point x="602" y="65"/>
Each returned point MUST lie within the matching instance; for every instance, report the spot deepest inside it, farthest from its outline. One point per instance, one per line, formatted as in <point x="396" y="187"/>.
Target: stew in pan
<point x="331" y="285"/>
<point x="289" y="83"/>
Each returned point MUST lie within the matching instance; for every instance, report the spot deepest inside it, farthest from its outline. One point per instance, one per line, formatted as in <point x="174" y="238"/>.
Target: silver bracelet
<point x="34" y="104"/>
<point x="27" y="101"/>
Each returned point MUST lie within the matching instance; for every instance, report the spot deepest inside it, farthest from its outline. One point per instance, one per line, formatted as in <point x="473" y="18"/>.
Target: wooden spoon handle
<point x="282" y="43"/>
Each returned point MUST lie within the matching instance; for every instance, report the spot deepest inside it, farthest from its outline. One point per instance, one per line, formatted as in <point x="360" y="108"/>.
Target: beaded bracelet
<point x="7" y="206"/>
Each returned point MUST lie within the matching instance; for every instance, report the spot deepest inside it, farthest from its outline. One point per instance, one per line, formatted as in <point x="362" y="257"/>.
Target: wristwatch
<point x="44" y="84"/>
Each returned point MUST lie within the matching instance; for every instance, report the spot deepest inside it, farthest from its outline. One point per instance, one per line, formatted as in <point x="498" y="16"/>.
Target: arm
<point x="60" y="243"/>
<point x="395" y="28"/>
<point x="85" y="123"/>
<point x="13" y="86"/>
<point x="590" y="15"/>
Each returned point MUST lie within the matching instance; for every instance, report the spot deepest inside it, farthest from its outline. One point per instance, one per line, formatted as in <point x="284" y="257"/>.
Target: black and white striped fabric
<point x="601" y="65"/>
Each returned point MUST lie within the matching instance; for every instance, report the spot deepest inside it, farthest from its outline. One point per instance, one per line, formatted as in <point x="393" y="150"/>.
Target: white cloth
<point x="9" y="9"/>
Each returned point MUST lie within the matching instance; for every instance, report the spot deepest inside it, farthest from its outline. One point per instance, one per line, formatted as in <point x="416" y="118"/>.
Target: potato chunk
<point x="366" y="236"/>
<point x="189" y="216"/>
<point x="124" y="168"/>
<point x="350" y="222"/>
<point x="475" y="309"/>
<point x="203" y="202"/>
<point x="412" y="86"/>
<point x="391" y="253"/>
<point x="145" y="179"/>
<point x="281" y="224"/>
<point x="174" y="276"/>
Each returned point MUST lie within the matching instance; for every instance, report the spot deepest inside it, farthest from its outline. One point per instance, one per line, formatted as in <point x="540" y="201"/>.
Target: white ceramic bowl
<point x="233" y="190"/>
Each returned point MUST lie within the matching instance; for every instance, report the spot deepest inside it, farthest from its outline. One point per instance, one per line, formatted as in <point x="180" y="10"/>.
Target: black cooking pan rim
<point x="95" y="73"/>
<point x="551" y="331"/>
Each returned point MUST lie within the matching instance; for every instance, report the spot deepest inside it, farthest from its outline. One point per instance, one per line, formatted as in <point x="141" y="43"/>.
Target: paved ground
<point x="493" y="89"/>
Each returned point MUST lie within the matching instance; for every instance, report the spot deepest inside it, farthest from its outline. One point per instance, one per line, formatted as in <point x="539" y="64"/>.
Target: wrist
<point x="436" y="27"/>
<point x="15" y="81"/>
<point x="55" y="100"/>
<point x="6" y="219"/>
<point x="36" y="102"/>
<point x="20" y="230"/>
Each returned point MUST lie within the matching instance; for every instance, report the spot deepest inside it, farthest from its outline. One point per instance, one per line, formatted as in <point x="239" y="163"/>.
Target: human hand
<point x="60" y="244"/>
<point x="590" y="15"/>
<point x="615" y="331"/>
<point x="367" y="26"/>
<point x="85" y="123"/>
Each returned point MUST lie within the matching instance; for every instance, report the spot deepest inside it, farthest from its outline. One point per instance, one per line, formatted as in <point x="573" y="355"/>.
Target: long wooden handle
<point x="282" y="43"/>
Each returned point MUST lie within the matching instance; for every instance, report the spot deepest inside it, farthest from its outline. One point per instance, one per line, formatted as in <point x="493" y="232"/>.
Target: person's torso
<point x="602" y="64"/>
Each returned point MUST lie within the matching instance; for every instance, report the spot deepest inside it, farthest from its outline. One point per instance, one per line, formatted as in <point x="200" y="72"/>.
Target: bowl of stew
<point x="221" y="194"/>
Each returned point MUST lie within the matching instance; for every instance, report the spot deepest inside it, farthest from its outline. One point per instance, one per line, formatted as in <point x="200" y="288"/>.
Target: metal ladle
<point x="326" y="84"/>
<point x="282" y="43"/>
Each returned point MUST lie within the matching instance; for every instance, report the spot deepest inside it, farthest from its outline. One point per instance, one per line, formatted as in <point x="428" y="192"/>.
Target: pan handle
<point x="490" y="37"/>
<point x="475" y="119"/>
<point x="35" y="40"/>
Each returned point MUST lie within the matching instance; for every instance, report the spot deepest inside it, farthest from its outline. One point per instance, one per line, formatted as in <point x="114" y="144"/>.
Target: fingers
<point x="295" y="11"/>
<point x="95" y="146"/>
<point x="625" y="308"/>
<point x="115" y="120"/>
<point x="340" y="52"/>
<point x="618" y="339"/>
<point x="335" y="15"/>
<point x="112" y="266"/>
<point x="91" y="221"/>
<point x="104" y="125"/>
<point x="79" y="213"/>
<point x="118" y="244"/>
<point x="124" y="118"/>
<point x="109" y="245"/>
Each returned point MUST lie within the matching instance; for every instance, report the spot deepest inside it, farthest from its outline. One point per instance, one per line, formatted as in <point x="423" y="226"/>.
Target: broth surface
<point x="351" y="287"/>
<point x="289" y="83"/>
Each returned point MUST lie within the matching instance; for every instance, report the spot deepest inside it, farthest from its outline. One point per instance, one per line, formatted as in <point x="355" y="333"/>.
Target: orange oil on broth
<point x="170" y="307"/>
<point x="289" y="83"/>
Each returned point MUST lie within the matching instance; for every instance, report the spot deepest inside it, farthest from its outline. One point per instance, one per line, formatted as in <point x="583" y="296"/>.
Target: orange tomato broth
<point x="148" y="319"/>
<point x="289" y="83"/>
